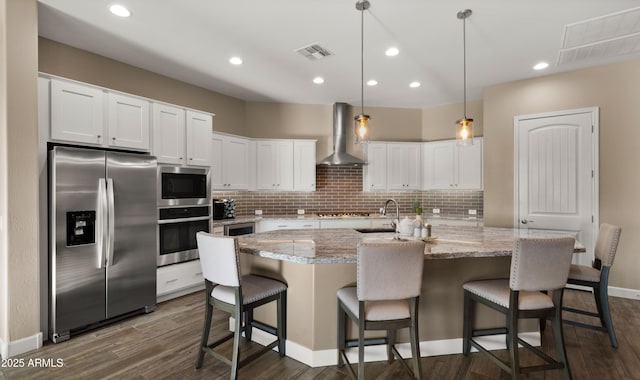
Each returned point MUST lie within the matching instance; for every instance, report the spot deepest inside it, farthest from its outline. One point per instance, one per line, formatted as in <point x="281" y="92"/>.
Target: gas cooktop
<point x="342" y="214"/>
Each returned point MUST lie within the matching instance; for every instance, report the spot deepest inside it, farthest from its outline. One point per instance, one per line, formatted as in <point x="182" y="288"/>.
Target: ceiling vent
<point x="606" y="36"/>
<point x="314" y="52"/>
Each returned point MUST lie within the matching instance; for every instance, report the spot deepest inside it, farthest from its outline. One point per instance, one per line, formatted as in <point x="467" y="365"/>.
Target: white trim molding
<point x="20" y="346"/>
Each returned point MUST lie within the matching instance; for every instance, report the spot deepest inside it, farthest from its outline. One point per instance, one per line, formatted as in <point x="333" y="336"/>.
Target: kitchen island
<point x="316" y="263"/>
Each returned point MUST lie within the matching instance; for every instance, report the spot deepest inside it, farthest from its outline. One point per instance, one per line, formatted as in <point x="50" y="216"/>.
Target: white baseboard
<point x="633" y="294"/>
<point x="329" y="357"/>
<point x="614" y="291"/>
<point x="20" y="346"/>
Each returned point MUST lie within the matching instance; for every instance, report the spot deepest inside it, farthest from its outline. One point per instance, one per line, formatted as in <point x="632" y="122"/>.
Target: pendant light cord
<point x="362" y="61"/>
<point x="464" y="63"/>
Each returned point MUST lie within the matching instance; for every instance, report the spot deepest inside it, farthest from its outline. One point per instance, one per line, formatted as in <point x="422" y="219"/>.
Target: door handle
<point x="111" y="221"/>
<point x="101" y="221"/>
<point x="524" y="221"/>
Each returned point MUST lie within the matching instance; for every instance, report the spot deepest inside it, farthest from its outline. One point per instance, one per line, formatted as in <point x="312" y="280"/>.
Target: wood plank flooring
<point x="163" y="345"/>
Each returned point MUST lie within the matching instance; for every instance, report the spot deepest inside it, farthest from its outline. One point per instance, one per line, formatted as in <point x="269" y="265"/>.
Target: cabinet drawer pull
<point x="308" y="225"/>
<point x="283" y="225"/>
<point x="170" y="281"/>
<point x="199" y="274"/>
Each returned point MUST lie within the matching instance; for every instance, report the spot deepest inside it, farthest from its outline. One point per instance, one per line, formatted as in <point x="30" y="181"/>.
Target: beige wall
<point x="438" y="123"/>
<point x="614" y="89"/>
<point x="65" y="61"/>
<point x="19" y="256"/>
<point x="286" y="120"/>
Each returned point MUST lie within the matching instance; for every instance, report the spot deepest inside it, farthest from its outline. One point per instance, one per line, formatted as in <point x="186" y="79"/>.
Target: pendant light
<point x="362" y="120"/>
<point x="464" y="128"/>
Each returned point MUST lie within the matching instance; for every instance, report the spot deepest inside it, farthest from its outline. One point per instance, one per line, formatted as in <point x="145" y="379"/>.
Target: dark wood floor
<point x="163" y="344"/>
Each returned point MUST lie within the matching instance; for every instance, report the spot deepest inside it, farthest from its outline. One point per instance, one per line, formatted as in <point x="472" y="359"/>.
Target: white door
<point x="375" y="172"/>
<point x="556" y="174"/>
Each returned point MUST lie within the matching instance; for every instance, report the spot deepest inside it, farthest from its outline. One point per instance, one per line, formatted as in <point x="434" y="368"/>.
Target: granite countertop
<point x="327" y="246"/>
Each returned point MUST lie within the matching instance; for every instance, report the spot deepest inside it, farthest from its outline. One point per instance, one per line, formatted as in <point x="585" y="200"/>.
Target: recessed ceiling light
<point x="414" y="84"/>
<point x="392" y="52"/>
<point x="318" y="80"/>
<point x="541" y="66"/>
<point x="119" y="10"/>
<point x="372" y="82"/>
<point x="235" y="61"/>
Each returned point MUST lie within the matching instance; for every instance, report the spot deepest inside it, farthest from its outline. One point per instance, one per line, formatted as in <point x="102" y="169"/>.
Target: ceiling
<point x="192" y="41"/>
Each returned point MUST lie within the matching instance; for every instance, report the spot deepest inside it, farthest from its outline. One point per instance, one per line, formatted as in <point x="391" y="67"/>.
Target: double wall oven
<point x="184" y="208"/>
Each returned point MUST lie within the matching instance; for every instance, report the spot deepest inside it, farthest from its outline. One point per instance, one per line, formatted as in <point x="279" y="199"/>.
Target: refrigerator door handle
<point x="101" y="221"/>
<point x="111" y="221"/>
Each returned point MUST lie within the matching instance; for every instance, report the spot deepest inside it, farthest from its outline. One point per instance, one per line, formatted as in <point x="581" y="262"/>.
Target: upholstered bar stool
<point x="597" y="278"/>
<point x="386" y="297"/>
<point x="537" y="265"/>
<point x="238" y="295"/>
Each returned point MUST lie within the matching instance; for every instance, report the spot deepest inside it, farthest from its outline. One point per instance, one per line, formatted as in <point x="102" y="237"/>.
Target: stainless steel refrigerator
<point x="103" y="237"/>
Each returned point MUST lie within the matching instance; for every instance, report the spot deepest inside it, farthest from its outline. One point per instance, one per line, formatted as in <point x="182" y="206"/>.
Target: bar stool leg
<point x="248" y="318"/>
<point x="236" y="342"/>
<point x="341" y="334"/>
<point x="415" y="339"/>
<point x="391" y="341"/>
<point x="282" y="323"/>
<point x="467" y="324"/>
<point x="205" y="333"/>
<point x="605" y="313"/>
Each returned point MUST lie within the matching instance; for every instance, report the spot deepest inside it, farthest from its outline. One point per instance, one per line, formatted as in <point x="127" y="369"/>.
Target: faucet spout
<point x="384" y="211"/>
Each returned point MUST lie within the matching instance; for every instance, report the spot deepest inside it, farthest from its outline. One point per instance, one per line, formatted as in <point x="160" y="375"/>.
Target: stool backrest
<point x="607" y="243"/>
<point x="541" y="264"/>
<point x="389" y="270"/>
<point x="219" y="259"/>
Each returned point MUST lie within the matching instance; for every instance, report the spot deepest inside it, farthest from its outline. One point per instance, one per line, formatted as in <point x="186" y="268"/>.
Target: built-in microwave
<point x="180" y="186"/>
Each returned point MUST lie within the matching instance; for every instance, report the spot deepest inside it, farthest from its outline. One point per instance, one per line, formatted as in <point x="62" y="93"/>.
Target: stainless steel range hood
<point x="340" y="155"/>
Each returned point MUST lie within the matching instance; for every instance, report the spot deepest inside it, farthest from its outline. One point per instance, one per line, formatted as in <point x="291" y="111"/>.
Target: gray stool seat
<point x="254" y="288"/>
<point x="498" y="292"/>
<point x="584" y="273"/>
<point x="374" y="310"/>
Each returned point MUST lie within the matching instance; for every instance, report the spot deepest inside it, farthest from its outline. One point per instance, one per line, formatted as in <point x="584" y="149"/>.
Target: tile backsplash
<point x="339" y="189"/>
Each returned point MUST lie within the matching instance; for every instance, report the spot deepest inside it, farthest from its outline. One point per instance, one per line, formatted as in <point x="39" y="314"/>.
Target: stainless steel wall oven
<point x="184" y="208"/>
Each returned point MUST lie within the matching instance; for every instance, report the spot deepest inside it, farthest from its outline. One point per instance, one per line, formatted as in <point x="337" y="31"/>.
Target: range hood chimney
<point x="340" y="155"/>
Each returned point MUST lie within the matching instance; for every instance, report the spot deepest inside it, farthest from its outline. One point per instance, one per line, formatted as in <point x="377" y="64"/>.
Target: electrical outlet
<point x="473" y="212"/>
<point x="300" y="211"/>
<point x="258" y="212"/>
<point x="436" y="210"/>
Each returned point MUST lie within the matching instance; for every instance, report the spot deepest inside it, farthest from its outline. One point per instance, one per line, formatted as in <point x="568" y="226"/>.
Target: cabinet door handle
<point x="113" y="138"/>
<point x="99" y="136"/>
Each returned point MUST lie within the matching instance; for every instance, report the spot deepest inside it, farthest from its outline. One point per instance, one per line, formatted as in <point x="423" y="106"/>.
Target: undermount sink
<point x="374" y="230"/>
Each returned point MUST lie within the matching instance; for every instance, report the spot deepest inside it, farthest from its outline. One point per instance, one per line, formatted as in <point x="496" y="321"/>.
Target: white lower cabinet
<point x="287" y="224"/>
<point x="178" y="279"/>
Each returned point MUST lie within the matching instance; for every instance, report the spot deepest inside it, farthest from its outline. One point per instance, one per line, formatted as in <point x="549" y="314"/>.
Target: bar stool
<point x="537" y="265"/>
<point x="385" y="298"/>
<point x="235" y="294"/>
<point x="597" y="278"/>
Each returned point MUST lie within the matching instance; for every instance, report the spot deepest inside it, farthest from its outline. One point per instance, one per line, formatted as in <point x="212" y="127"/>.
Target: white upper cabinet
<point x="77" y="113"/>
<point x="448" y="165"/>
<point x="199" y="129"/>
<point x="169" y="134"/>
<point x="403" y="166"/>
<point x="274" y="165"/>
<point x="78" y="116"/>
<point x="392" y="166"/>
<point x="128" y="122"/>
<point x="375" y="171"/>
<point x="304" y="165"/>
<point x="230" y="168"/>
<point x="182" y="137"/>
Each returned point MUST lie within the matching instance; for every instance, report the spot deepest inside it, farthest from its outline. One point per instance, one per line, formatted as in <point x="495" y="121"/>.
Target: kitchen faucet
<point x="384" y="212"/>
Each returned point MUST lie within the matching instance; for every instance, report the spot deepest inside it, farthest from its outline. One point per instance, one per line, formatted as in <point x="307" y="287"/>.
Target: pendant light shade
<point x="362" y="120"/>
<point x="464" y="128"/>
